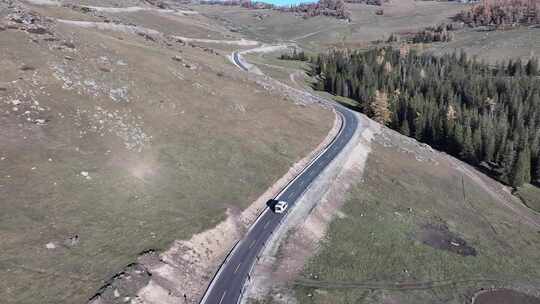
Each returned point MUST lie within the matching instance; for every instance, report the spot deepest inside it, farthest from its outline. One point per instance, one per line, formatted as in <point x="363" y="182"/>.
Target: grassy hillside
<point x="319" y="33"/>
<point x="530" y="196"/>
<point x="110" y="147"/>
<point x="422" y="227"/>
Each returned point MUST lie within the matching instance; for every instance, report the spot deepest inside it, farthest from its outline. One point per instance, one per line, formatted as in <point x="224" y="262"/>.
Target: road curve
<point x="226" y="286"/>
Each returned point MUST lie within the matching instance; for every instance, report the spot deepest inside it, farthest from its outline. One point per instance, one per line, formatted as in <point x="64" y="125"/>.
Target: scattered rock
<point x="146" y="36"/>
<point x="68" y="44"/>
<point x="72" y="241"/>
<point x="85" y="174"/>
<point x="37" y="29"/>
<point x="25" y="67"/>
<point x="177" y="58"/>
<point x="119" y="94"/>
<point x="50" y="39"/>
<point x="12" y="25"/>
<point x="50" y="245"/>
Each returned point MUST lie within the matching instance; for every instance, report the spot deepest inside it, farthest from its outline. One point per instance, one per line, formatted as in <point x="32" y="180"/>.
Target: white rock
<point x="50" y="245"/>
<point x="16" y="102"/>
<point x="116" y="293"/>
<point x="84" y="173"/>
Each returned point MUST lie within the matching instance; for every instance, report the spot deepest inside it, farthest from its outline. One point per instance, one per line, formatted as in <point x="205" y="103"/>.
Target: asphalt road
<point x="226" y="286"/>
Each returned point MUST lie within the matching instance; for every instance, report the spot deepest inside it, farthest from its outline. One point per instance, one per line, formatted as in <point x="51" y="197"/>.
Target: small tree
<point x="404" y="129"/>
<point x="522" y="170"/>
<point x="537" y="170"/>
<point x="379" y="108"/>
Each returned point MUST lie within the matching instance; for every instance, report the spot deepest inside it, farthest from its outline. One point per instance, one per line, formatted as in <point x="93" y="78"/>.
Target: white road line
<point x="222" y="296"/>
<point x="266" y="225"/>
<point x="238" y="266"/>
<point x="252" y="243"/>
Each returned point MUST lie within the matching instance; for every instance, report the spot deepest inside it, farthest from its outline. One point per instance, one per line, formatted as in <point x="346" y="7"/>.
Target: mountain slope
<point x="117" y="140"/>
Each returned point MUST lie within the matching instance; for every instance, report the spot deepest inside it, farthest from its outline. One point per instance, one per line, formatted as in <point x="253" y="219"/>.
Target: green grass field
<point x="531" y="196"/>
<point x="494" y="46"/>
<point x="401" y="205"/>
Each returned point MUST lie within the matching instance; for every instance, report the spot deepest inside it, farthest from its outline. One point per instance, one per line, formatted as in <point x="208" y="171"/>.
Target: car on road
<point x="280" y="206"/>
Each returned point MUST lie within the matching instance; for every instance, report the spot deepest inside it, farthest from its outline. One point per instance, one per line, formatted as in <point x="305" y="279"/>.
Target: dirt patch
<point x="440" y="237"/>
<point x="504" y="296"/>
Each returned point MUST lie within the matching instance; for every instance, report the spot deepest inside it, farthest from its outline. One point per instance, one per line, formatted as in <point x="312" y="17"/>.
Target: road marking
<point x="222" y="296"/>
<point x="236" y="269"/>
<point x="252" y="243"/>
<point x="266" y="225"/>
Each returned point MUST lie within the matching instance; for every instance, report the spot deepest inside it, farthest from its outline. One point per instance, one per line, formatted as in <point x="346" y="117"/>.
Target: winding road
<point x="227" y="285"/>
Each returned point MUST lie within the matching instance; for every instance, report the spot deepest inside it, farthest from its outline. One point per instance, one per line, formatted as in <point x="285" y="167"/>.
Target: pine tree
<point x="537" y="170"/>
<point x="404" y="129"/>
<point x="489" y="151"/>
<point x="467" y="151"/>
<point x="462" y="106"/>
<point x="521" y="173"/>
<point x="477" y="143"/>
<point x="532" y="67"/>
<point x="508" y="158"/>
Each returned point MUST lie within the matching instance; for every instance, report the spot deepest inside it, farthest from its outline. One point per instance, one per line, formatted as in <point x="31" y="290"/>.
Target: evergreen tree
<point x="474" y="111"/>
<point x="489" y="152"/>
<point x="521" y="173"/>
<point x="467" y="151"/>
<point x="404" y="129"/>
<point x="507" y="162"/>
<point x="532" y="67"/>
<point x="537" y="170"/>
